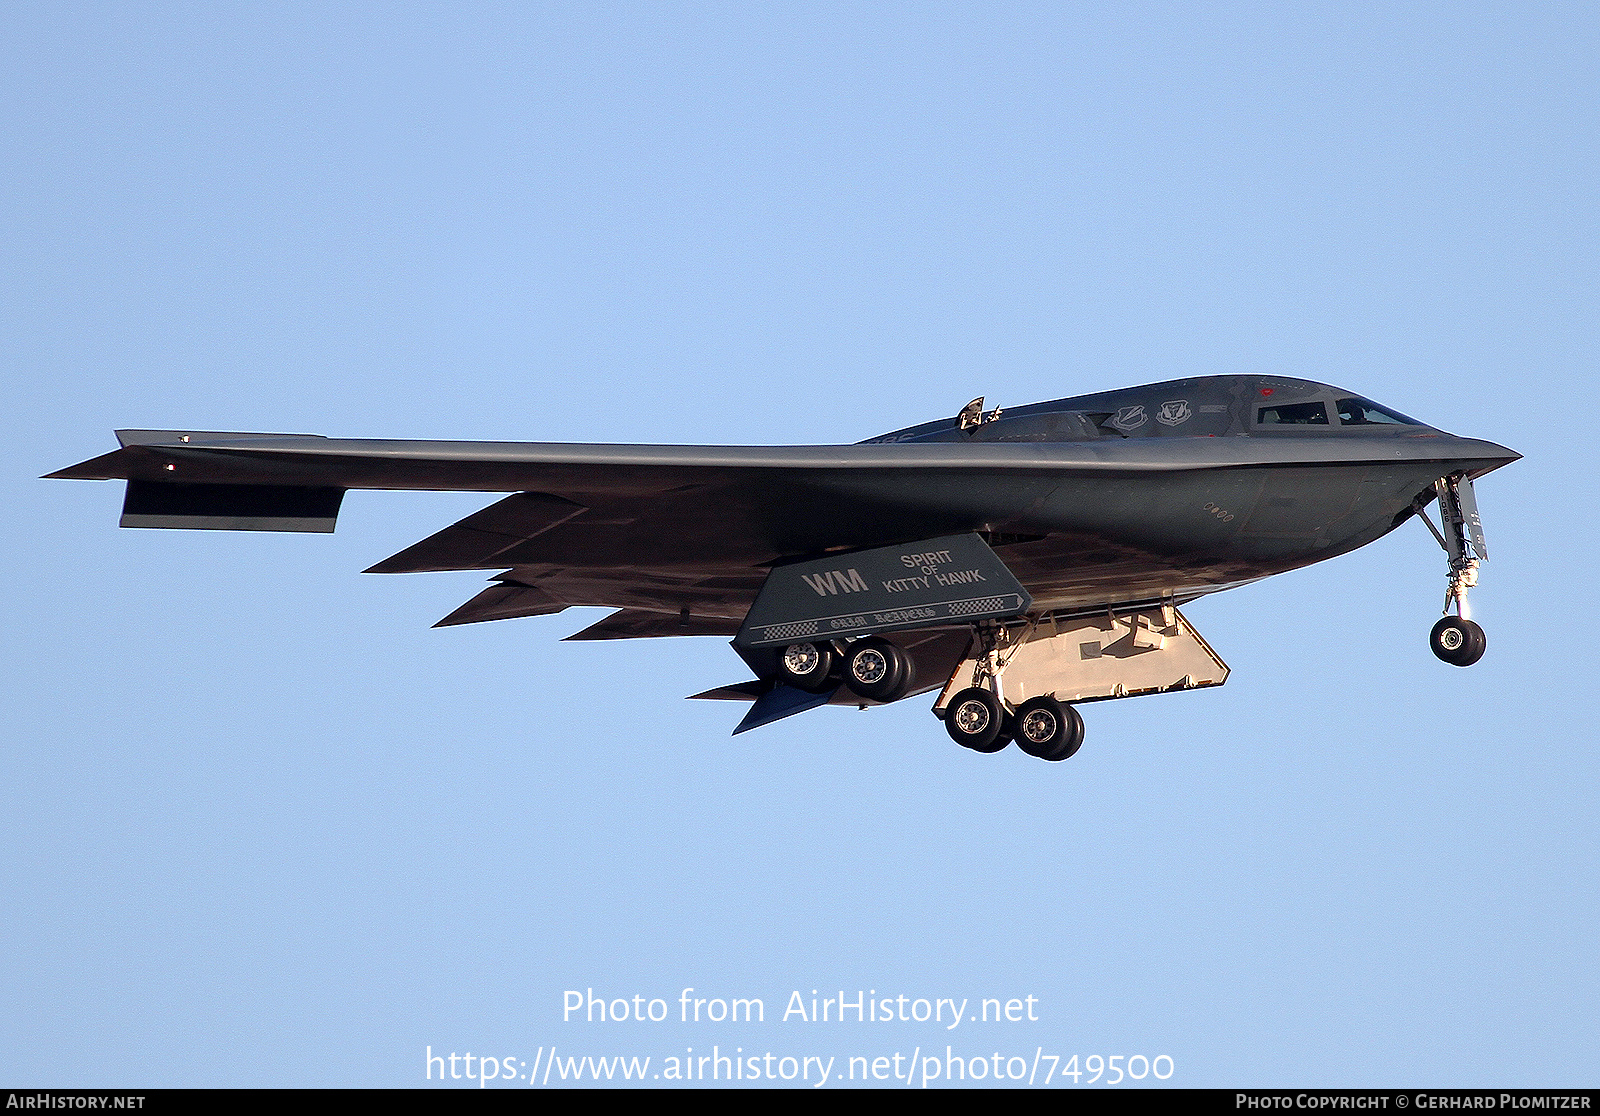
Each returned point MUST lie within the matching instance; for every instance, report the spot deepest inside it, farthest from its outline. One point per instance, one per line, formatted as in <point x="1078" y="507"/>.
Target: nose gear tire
<point x="1458" y="642"/>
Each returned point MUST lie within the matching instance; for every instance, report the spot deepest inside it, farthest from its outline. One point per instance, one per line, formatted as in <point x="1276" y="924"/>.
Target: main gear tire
<point x="1039" y="725"/>
<point x="807" y="666"/>
<point x="975" y="719"/>
<point x="1045" y="728"/>
<point x="1072" y="739"/>
<point x="877" y="670"/>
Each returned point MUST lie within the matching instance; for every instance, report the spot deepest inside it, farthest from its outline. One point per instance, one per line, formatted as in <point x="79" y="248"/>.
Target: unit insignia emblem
<point x="1129" y="418"/>
<point x="1173" y="412"/>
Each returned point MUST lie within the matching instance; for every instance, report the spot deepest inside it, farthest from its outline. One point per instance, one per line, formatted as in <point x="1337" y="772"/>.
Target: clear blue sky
<point x="262" y="826"/>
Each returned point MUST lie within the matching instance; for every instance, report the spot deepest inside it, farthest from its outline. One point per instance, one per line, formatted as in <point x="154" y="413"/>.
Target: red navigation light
<point x="1266" y="391"/>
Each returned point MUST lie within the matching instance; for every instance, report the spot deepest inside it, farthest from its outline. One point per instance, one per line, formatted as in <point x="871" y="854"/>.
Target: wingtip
<point x="108" y="466"/>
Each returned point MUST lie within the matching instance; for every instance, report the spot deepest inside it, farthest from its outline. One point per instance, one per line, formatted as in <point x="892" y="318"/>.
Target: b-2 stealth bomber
<point x="1020" y="562"/>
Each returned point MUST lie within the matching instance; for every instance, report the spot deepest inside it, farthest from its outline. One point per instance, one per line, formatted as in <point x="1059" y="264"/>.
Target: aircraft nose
<point x="1487" y="455"/>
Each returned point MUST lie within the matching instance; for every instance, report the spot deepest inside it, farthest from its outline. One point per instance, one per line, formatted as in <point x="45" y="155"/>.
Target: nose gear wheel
<point x="1458" y="642"/>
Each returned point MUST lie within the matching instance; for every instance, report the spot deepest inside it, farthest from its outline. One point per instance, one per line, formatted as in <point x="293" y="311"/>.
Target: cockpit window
<point x="1364" y="412"/>
<point x="1293" y="414"/>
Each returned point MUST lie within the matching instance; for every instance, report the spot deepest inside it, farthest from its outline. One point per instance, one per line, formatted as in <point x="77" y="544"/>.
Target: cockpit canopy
<point x="1352" y="411"/>
<point x="1204" y="406"/>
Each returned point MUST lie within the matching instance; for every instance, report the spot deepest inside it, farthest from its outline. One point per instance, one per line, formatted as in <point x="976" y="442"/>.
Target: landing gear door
<point x="1469" y="512"/>
<point x="1093" y="658"/>
<point x="1463" y="527"/>
<point x="952" y="580"/>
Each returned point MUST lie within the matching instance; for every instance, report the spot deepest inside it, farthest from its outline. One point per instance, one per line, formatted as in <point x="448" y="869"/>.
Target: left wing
<point x="679" y="537"/>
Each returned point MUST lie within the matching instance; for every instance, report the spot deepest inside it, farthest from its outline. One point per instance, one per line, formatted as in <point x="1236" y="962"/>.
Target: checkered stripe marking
<point x="791" y="631"/>
<point x="987" y="604"/>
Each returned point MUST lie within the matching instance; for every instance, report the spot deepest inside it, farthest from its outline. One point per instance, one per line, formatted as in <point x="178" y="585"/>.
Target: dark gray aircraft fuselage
<point x="1192" y="492"/>
<point x="1145" y="497"/>
<point x="1177" y="488"/>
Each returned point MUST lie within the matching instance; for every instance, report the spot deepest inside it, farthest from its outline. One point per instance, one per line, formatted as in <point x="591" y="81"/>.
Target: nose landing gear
<point x="1456" y="639"/>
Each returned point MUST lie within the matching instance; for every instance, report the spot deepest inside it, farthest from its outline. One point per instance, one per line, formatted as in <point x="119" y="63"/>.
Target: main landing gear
<point x="1042" y="727"/>
<point x="980" y="718"/>
<point x="871" y="668"/>
<point x="1456" y="639"/>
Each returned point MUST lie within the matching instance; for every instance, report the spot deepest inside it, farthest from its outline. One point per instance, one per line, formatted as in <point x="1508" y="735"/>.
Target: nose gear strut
<point x="1457" y="639"/>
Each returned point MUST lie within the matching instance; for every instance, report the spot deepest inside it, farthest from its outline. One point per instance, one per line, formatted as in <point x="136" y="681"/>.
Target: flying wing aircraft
<point x="1019" y="562"/>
